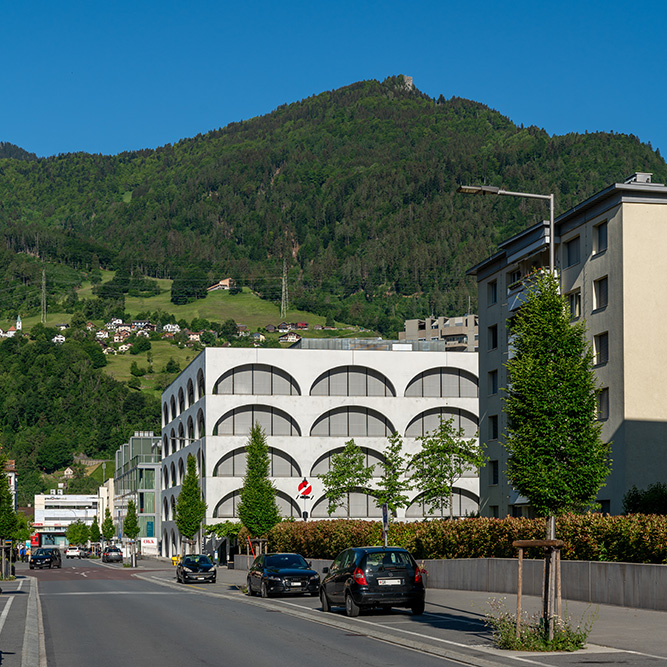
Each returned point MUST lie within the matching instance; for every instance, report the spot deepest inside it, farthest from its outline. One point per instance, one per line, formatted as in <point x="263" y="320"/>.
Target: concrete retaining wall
<point x="622" y="584"/>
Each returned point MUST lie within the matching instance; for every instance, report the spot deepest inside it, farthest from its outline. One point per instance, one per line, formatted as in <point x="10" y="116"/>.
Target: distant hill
<point x="353" y="190"/>
<point x="13" y="152"/>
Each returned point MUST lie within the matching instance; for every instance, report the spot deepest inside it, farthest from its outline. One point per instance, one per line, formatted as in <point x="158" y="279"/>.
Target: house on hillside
<point x="59" y="339"/>
<point x="171" y="328"/>
<point x="102" y="334"/>
<point x="224" y="284"/>
<point x="270" y="328"/>
<point x="291" y="337"/>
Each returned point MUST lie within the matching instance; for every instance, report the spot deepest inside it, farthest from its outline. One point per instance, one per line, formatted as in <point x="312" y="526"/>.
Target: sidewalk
<point x="455" y="619"/>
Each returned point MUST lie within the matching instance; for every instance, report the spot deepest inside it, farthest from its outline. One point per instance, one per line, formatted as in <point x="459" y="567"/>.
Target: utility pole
<point x="284" y="301"/>
<point x="43" y="294"/>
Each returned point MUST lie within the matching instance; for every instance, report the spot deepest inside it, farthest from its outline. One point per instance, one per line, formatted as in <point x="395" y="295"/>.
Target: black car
<point x="112" y="555"/>
<point x="284" y="574"/>
<point x="196" y="567"/>
<point x="373" y="577"/>
<point x="46" y="557"/>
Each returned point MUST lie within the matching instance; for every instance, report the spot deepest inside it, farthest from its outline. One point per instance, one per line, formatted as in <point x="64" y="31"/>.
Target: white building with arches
<point x="310" y="400"/>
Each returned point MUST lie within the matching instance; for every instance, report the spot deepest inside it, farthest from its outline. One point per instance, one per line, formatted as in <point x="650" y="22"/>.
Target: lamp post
<point x="492" y="190"/>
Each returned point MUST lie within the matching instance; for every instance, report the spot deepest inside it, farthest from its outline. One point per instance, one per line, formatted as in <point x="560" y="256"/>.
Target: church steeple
<point x="19" y="325"/>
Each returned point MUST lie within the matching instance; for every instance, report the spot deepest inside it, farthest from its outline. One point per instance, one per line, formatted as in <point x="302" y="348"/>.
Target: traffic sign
<point x="305" y="489"/>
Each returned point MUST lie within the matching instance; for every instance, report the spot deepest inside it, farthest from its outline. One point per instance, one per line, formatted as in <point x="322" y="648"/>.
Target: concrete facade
<point x="460" y="334"/>
<point x="609" y="256"/>
<point x="310" y="402"/>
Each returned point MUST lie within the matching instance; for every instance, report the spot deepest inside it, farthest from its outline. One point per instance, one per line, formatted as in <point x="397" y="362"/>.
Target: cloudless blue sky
<point x="128" y="74"/>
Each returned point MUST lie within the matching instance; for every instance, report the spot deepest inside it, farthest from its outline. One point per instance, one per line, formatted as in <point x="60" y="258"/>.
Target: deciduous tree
<point x="190" y="506"/>
<point x="393" y="484"/>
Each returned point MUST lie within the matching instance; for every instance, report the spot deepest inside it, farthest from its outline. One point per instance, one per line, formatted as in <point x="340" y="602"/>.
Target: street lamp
<point x="492" y="190"/>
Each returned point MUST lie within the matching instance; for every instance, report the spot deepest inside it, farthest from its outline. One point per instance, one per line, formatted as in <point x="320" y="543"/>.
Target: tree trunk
<point x="550" y="580"/>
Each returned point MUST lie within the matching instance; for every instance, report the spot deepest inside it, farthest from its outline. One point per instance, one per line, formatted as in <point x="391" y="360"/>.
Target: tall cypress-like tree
<point x="190" y="506"/>
<point x="95" y="533"/>
<point x="556" y="457"/>
<point x="131" y="523"/>
<point x="257" y="508"/>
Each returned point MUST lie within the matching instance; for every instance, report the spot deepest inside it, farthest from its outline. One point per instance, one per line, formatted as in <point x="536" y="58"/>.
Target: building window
<point x="603" y="404"/>
<point x="572" y="252"/>
<point x="493" y="337"/>
<point x="493" y="292"/>
<point x="574" y="301"/>
<point x="493" y="382"/>
<point x="513" y="277"/>
<point x="493" y="469"/>
<point x="601" y="343"/>
<point x="600" y="293"/>
<point x="600" y="237"/>
<point x="494" y="511"/>
<point x="493" y="427"/>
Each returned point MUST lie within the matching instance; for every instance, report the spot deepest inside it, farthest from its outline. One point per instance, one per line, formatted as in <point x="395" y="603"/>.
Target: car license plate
<point x="295" y="583"/>
<point x="390" y="582"/>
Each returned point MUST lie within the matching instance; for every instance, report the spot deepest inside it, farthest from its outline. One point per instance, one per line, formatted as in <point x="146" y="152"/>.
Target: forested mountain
<point x="353" y="188"/>
<point x="14" y="152"/>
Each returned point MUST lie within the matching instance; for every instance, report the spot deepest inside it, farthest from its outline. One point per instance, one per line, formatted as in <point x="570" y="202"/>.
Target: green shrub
<point x="631" y="539"/>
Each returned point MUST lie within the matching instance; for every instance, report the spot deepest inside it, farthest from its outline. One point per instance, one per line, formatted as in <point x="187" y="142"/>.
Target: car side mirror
<point x="325" y="570"/>
<point x="310" y="563"/>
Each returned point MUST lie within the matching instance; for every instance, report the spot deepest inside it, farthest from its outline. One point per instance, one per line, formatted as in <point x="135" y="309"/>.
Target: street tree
<point x="257" y="507"/>
<point x="77" y="533"/>
<point x="556" y="457"/>
<point x="444" y="456"/>
<point x="347" y="472"/>
<point x="131" y="526"/>
<point x="108" y="529"/>
<point x="8" y="519"/>
<point x="190" y="505"/>
<point x="95" y="532"/>
<point x="393" y="483"/>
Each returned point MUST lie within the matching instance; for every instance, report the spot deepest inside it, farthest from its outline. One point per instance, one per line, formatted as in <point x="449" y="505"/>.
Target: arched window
<point x="257" y="380"/>
<point x="173" y="474"/>
<point x="181" y="401"/>
<point x="191" y="429"/>
<point x="181" y="471"/>
<point x="201" y="425"/>
<point x="201" y="389"/>
<point x="226" y="508"/>
<point x="165" y="447"/>
<point x="240" y="420"/>
<point x="352" y="381"/>
<point x="465" y="503"/>
<point x="191" y="394"/>
<point x="352" y="421"/>
<point x="361" y="504"/>
<point x="429" y="421"/>
<point x="233" y="464"/>
<point x="173" y="441"/>
<point x="373" y="458"/>
<point x="165" y="475"/>
<point x="444" y="383"/>
<point x="173" y="408"/>
<point x="181" y="436"/>
<point x="165" y="510"/>
<point x="165" y="414"/>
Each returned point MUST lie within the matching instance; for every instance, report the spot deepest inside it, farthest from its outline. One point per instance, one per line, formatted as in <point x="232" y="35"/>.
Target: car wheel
<point x="326" y="607"/>
<point x="213" y="580"/>
<point x="32" y="567"/>
<point x="351" y="607"/>
<point x="265" y="590"/>
<point x="250" y="592"/>
<point x="418" y="608"/>
<point x="50" y="565"/>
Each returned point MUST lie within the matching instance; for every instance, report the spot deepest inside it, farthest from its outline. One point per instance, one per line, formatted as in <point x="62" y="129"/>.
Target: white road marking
<point x="5" y="613"/>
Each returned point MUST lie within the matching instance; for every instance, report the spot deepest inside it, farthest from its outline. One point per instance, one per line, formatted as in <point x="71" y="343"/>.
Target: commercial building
<point x="610" y="259"/>
<point x="460" y="334"/>
<point x="310" y="400"/>
<point x="137" y="478"/>
<point x="55" y="512"/>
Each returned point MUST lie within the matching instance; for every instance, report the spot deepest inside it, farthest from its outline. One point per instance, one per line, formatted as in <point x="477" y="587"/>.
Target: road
<point x="102" y="615"/>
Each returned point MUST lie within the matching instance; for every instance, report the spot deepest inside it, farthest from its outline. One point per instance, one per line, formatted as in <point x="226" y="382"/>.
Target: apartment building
<point x="460" y="334"/>
<point x="610" y="258"/>
<point x="310" y="399"/>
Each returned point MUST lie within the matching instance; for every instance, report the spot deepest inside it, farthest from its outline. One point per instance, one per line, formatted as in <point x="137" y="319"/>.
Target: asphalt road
<point x="101" y="615"/>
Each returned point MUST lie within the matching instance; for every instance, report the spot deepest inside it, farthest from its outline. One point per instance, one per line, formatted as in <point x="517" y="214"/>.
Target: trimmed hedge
<point x="635" y="538"/>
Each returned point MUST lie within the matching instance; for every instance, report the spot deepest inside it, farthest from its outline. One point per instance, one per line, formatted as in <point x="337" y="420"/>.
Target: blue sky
<point x="124" y="75"/>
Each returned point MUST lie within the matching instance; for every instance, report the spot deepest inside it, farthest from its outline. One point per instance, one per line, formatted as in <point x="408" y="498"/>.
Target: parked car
<point x="112" y="555"/>
<point x="196" y="567"/>
<point x="45" y="557"/>
<point x="73" y="552"/>
<point x="85" y="552"/>
<point x="282" y="574"/>
<point x="373" y="577"/>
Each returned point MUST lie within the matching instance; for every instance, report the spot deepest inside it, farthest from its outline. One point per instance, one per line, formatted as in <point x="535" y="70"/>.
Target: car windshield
<point x="197" y="560"/>
<point x="42" y="552"/>
<point x="113" y="549"/>
<point x="292" y="561"/>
